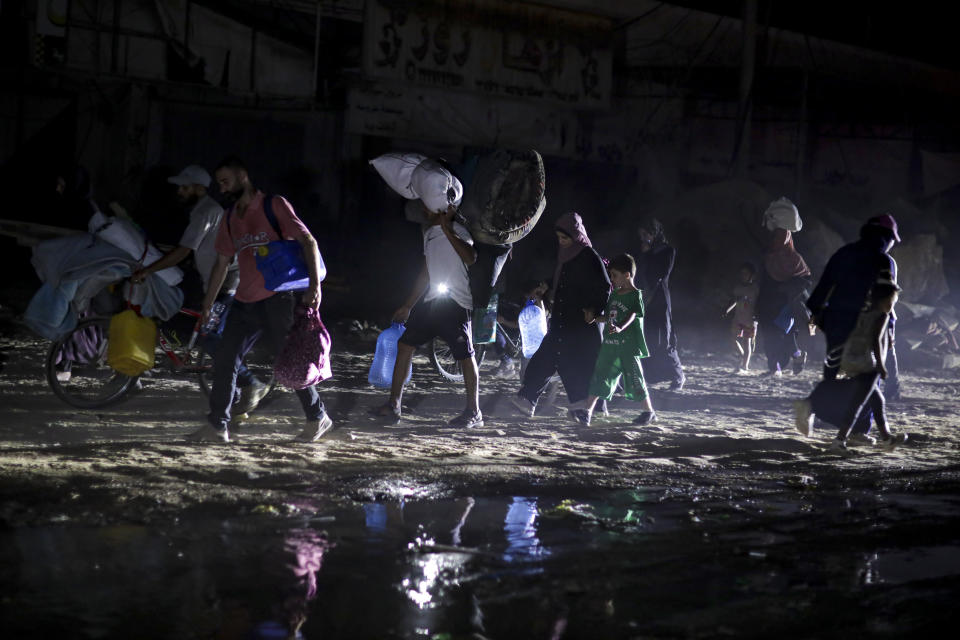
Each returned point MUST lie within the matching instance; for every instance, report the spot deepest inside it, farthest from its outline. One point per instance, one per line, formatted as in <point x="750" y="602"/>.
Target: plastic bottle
<point x="381" y="371"/>
<point x="533" y="326"/>
<point x="213" y="321"/>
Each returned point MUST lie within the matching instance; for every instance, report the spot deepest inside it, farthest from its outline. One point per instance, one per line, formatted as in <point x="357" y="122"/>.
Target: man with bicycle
<point x="199" y="237"/>
<point x="257" y="312"/>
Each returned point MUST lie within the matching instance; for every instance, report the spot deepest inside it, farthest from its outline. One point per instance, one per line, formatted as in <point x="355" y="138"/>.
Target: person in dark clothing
<point x="843" y="402"/>
<point x="784" y="285"/>
<point x="581" y="288"/>
<point x="839" y="296"/>
<point x="654" y="267"/>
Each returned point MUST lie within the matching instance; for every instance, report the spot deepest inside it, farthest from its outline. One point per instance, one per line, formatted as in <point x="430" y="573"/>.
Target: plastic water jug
<point x="213" y="322"/>
<point x="130" y="343"/>
<point x="381" y="371"/>
<point x="485" y="322"/>
<point x="533" y="326"/>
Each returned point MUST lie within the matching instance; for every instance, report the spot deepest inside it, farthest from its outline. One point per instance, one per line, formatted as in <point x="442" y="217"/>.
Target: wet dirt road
<point x="716" y="520"/>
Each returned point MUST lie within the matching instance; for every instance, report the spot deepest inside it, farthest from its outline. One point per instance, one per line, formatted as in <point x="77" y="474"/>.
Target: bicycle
<point x="449" y="369"/>
<point x="89" y="382"/>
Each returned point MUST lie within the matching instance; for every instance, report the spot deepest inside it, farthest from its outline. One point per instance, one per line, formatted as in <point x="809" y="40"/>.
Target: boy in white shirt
<point x="447" y="307"/>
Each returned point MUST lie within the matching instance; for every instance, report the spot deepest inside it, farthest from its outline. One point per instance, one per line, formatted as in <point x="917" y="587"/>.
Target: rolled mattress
<point x="505" y="198"/>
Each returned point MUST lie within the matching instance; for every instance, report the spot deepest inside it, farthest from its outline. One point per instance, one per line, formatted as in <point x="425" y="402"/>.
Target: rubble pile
<point x="929" y="335"/>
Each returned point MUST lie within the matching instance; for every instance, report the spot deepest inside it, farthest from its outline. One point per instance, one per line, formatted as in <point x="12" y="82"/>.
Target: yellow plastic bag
<point x="130" y="346"/>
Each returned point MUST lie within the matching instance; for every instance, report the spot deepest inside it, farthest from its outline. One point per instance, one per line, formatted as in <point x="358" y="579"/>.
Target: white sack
<point x="125" y="235"/>
<point x="782" y="214"/>
<point x="436" y="186"/>
<point x="397" y="170"/>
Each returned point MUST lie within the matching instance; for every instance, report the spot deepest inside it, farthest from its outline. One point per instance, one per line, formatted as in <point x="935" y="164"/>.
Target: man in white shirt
<point x="199" y="237"/>
<point x="446" y="309"/>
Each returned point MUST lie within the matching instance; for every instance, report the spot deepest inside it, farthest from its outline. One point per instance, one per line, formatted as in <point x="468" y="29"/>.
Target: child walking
<point x="743" y="326"/>
<point x="842" y="401"/>
<point x="623" y="346"/>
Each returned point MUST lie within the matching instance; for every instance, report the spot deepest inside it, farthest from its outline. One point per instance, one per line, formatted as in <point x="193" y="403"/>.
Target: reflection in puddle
<point x="520" y="527"/>
<point x="922" y="563"/>
<point x="614" y="564"/>
<point x="375" y="517"/>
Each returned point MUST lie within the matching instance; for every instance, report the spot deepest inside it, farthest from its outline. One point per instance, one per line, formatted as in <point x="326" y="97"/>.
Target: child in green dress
<point x="623" y="346"/>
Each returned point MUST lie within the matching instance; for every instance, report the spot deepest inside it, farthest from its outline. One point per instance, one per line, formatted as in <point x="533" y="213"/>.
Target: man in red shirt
<point x="256" y="312"/>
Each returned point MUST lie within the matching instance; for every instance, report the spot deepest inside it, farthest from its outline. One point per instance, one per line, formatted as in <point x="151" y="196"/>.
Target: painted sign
<point x="494" y="48"/>
<point x="395" y="110"/>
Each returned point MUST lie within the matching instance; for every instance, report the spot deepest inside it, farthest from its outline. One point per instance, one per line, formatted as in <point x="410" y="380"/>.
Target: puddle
<point x="923" y="563"/>
<point x="647" y="563"/>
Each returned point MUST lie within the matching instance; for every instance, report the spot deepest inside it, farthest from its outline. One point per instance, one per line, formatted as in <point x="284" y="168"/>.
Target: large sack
<point x="782" y="214"/>
<point x="396" y="169"/>
<point x="505" y="198"/>
<point x="125" y="235"/>
<point x="436" y="187"/>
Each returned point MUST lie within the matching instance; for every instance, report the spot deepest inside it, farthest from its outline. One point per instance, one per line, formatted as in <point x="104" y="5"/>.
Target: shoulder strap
<point x="267" y="210"/>
<point x="271" y="217"/>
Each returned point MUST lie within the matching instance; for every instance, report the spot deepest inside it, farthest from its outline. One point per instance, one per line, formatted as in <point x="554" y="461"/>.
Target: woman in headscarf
<point x="580" y="288"/>
<point x="654" y="266"/>
<point x="784" y="288"/>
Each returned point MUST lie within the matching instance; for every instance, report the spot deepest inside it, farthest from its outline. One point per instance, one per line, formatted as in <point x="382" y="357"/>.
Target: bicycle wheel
<point x="258" y="361"/>
<point x="444" y="362"/>
<point x="77" y="368"/>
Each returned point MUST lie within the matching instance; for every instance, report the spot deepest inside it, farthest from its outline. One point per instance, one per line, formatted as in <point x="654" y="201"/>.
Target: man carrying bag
<point x="257" y="312"/>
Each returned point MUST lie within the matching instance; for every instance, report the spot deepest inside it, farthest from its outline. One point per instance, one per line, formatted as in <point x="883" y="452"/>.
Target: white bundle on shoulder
<point x="435" y="186"/>
<point x="125" y="235"/>
<point x="396" y="169"/>
<point x="417" y="177"/>
<point x="782" y="214"/>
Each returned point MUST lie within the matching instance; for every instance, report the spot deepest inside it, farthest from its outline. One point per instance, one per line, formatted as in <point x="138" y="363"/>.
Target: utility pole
<point x="745" y="111"/>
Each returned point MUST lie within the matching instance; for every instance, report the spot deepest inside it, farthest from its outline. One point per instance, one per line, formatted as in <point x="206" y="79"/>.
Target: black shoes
<point x="645" y="418"/>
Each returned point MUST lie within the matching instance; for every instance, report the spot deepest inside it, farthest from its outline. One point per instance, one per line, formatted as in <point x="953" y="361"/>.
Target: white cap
<point x="193" y="174"/>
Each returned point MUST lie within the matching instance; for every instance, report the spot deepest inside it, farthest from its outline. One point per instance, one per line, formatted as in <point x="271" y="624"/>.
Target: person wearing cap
<point x="446" y="307"/>
<point x="842" y="402"/>
<point x="205" y="215"/>
<point x="192" y="185"/>
<point x="835" y="303"/>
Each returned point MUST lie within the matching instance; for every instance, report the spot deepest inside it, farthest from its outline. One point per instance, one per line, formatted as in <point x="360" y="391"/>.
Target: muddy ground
<point x="723" y="436"/>
<point x="717" y="520"/>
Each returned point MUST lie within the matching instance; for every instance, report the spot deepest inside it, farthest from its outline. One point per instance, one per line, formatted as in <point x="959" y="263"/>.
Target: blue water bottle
<point x="533" y="326"/>
<point x="381" y="371"/>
